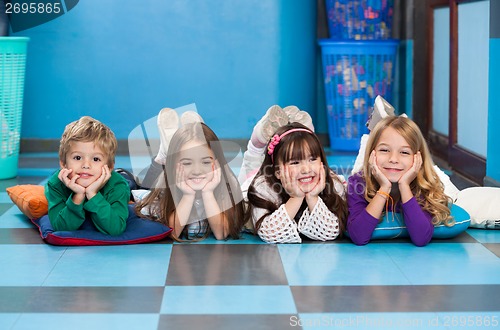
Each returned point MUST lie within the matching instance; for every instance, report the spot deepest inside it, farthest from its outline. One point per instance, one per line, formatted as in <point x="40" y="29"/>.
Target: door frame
<point x="468" y="164"/>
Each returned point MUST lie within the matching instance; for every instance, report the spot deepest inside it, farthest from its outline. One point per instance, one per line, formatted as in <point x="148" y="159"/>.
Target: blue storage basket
<point x="355" y="72"/>
<point x="360" y="19"/>
<point x="12" y="72"/>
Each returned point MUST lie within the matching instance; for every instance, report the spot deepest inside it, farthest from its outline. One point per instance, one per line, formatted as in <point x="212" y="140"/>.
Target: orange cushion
<point x="30" y="199"/>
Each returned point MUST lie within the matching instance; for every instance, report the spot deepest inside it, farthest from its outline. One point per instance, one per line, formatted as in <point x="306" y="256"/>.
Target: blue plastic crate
<point x="360" y="19"/>
<point x="355" y="72"/>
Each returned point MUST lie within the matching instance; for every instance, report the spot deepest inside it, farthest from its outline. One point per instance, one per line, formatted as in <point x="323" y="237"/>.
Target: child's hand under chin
<point x="289" y="184"/>
<point x="382" y="180"/>
<point x="320" y="185"/>
<point x="64" y="176"/>
<point x="216" y="178"/>
<point x="181" y="182"/>
<point x="411" y="174"/>
<point x="95" y="186"/>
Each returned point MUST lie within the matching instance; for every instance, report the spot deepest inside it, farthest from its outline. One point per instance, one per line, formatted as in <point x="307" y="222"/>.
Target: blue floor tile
<point x="228" y="299"/>
<point x="50" y="321"/>
<point x="7" y="320"/>
<point x="340" y="264"/>
<point x="27" y="265"/>
<point x="447" y="263"/>
<point x="485" y="235"/>
<point x="127" y="265"/>
<point x="4" y="197"/>
<point x="368" y="321"/>
<point x="13" y="218"/>
<point x="341" y="164"/>
<point x="37" y="171"/>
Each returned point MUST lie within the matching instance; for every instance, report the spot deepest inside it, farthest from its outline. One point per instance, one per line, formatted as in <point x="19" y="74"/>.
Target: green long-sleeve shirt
<point x="108" y="209"/>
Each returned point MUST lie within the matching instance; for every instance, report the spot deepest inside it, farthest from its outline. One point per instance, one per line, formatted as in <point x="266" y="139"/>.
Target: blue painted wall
<point x="122" y="61"/>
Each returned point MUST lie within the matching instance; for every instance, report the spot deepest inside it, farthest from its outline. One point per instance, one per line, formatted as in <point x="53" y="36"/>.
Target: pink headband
<point x="275" y="140"/>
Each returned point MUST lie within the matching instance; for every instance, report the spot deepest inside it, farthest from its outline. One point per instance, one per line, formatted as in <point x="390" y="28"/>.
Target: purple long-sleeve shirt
<point x="360" y="224"/>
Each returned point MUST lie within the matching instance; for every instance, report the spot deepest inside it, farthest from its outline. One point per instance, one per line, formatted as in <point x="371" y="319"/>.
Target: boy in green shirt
<point x="86" y="187"/>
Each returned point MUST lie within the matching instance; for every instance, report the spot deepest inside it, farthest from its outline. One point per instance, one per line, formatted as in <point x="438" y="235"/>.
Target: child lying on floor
<point x="480" y="202"/>
<point x="293" y="192"/>
<point x="86" y="185"/>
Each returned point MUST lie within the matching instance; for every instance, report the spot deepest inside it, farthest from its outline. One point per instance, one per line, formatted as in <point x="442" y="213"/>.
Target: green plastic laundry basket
<point x="12" y="72"/>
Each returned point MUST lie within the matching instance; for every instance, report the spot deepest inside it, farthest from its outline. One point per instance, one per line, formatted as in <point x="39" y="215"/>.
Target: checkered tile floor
<point x="243" y="284"/>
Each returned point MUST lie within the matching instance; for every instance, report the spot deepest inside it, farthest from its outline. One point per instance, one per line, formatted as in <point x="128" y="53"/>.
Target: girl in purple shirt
<point x="397" y="176"/>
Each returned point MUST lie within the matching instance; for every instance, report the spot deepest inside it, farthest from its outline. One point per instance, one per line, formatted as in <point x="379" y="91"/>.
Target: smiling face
<point x="394" y="155"/>
<point x="197" y="162"/>
<point x="86" y="160"/>
<point x="306" y="171"/>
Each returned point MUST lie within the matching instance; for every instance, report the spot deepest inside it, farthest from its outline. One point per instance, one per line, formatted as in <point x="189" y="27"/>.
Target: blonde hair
<point x="426" y="187"/>
<point x="88" y="129"/>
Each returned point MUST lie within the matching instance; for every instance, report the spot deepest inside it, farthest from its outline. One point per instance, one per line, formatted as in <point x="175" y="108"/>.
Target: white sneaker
<point x="274" y="118"/>
<point x="381" y="110"/>
<point x="298" y="116"/>
<point x="291" y="111"/>
<point x="190" y="117"/>
<point x="168" y="123"/>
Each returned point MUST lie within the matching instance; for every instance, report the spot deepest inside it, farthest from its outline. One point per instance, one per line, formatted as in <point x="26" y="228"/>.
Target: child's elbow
<point x="360" y="242"/>
<point x="117" y="231"/>
<point x="423" y="239"/>
<point x="64" y="227"/>
<point x="359" y="239"/>
<point x="220" y="237"/>
<point x="421" y="243"/>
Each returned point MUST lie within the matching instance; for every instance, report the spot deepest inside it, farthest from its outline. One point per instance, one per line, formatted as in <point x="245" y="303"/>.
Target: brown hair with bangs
<point x="299" y="147"/>
<point x="295" y="146"/>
